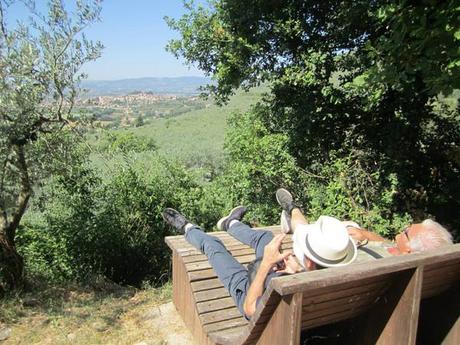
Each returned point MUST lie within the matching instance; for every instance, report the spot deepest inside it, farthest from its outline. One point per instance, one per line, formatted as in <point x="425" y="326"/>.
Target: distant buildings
<point x="126" y="100"/>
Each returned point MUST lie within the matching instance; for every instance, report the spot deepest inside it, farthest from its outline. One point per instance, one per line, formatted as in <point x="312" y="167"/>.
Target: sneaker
<point x="175" y="219"/>
<point x="284" y="198"/>
<point x="285" y="222"/>
<point x="236" y="214"/>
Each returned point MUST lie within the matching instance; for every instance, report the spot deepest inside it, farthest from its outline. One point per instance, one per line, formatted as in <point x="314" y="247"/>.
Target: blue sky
<point x="135" y="34"/>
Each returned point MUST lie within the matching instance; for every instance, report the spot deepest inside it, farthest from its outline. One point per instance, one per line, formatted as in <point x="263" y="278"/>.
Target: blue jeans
<point x="231" y="273"/>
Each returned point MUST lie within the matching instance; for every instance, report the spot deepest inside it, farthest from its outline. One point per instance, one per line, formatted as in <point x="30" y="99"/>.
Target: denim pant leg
<point x="231" y="273"/>
<point x="256" y="239"/>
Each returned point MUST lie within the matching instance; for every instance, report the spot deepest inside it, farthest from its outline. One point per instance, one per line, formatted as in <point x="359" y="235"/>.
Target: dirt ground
<point x="76" y="316"/>
<point x="169" y="325"/>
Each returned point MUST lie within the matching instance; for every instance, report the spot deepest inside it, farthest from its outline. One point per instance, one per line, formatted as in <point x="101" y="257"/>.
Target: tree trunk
<point x="11" y="266"/>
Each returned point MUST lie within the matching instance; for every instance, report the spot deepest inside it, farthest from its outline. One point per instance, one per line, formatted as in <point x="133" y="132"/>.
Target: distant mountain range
<point x="181" y="86"/>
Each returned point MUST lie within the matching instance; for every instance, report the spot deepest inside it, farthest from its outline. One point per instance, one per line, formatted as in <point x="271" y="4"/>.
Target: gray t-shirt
<point x="373" y="250"/>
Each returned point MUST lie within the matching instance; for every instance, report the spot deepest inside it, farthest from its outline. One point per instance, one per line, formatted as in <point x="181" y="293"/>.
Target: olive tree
<point x="40" y="70"/>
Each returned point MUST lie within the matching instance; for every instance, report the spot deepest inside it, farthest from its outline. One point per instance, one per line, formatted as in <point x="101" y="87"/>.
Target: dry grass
<point x="83" y="316"/>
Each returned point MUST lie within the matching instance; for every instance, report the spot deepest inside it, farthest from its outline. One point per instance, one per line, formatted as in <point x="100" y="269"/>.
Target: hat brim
<point x="301" y="247"/>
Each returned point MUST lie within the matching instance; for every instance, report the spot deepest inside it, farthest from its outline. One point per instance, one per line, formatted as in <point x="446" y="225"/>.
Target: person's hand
<point x="289" y="266"/>
<point x="356" y="234"/>
<point x="272" y="253"/>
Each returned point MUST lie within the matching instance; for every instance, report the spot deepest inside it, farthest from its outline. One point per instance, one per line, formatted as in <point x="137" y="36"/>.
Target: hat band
<point x="320" y="258"/>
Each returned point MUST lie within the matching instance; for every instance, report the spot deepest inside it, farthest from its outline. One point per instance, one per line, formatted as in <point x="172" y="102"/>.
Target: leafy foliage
<point x="120" y="142"/>
<point x="111" y="227"/>
<point x="344" y="85"/>
<point x="259" y="162"/>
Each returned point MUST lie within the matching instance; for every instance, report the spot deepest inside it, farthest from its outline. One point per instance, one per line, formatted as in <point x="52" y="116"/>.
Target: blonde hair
<point x="434" y="236"/>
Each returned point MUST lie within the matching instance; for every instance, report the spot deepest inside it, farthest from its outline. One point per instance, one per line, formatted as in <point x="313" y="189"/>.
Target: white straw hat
<point x="325" y="242"/>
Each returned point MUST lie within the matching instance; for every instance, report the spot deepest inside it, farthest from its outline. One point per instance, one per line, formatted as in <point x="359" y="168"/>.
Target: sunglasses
<point x="406" y="233"/>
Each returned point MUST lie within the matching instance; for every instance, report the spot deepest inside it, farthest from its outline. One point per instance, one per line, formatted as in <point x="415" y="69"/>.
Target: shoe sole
<point x="167" y="221"/>
<point x="276" y="194"/>
<point x="223" y="219"/>
<point x="163" y="214"/>
<point x="285" y="223"/>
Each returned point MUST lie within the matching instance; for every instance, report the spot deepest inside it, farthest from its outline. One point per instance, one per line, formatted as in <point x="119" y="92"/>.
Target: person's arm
<point x="256" y="289"/>
<point x="362" y="234"/>
<point x="271" y="256"/>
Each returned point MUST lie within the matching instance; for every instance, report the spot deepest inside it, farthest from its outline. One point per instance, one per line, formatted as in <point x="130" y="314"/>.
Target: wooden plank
<point x="394" y="319"/>
<point x="439" y="278"/>
<point x="329" y="319"/>
<point x="202" y="257"/>
<point x="208" y="295"/>
<point x="196" y="256"/>
<point x="440" y="283"/>
<point x="330" y="309"/>
<point x="448" y="270"/>
<point x="222" y="325"/>
<point x="202" y="285"/>
<point x="223" y="303"/>
<point x="452" y="273"/>
<point x="222" y="235"/>
<point x="227" y="336"/>
<point x="203" y="265"/>
<point x="319" y="309"/>
<point x="331" y="289"/>
<point x="220" y="315"/>
<point x="203" y="274"/>
<point x="181" y="242"/>
<point x="346" y="292"/>
<point x="236" y="250"/>
<point x="337" y="276"/>
<point x="435" y="268"/>
<point x="186" y="251"/>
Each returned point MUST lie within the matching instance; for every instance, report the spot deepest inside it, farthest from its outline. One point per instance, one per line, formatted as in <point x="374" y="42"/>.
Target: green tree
<point x="120" y="142"/>
<point x="345" y="76"/>
<point x="139" y="122"/>
<point x="40" y="62"/>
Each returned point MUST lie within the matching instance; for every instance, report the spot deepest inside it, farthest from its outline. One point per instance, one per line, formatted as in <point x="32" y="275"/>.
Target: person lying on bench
<point x="325" y="243"/>
<point x="246" y="286"/>
<point x="417" y="237"/>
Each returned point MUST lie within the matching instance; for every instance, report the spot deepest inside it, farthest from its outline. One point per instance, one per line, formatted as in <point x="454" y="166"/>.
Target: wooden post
<point x="285" y="325"/>
<point x="394" y="318"/>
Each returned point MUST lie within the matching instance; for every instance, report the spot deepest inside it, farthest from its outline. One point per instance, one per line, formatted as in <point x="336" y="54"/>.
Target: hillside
<point x="183" y="86"/>
<point x="195" y="137"/>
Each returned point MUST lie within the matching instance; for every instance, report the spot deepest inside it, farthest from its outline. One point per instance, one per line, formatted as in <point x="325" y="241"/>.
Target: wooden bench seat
<point x="385" y="292"/>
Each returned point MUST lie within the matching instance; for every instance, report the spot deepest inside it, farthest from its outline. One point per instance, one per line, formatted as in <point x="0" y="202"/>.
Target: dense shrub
<point x="46" y="256"/>
<point x="111" y="227"/>
<point x="348" y="186"/>
<point x="119" y="142"/>
<point x="348" y="190"/>
<point x="257" y="163"/>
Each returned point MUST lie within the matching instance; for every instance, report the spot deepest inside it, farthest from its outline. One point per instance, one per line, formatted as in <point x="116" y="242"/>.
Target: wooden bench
<point x="383" y="297"/>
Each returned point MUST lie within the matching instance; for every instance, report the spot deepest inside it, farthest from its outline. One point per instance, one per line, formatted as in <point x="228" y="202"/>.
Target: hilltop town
<point x="135" y="108"/>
